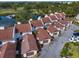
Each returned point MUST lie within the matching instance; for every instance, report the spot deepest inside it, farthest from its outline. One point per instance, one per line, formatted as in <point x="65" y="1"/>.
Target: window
<point x="30" y="53"/>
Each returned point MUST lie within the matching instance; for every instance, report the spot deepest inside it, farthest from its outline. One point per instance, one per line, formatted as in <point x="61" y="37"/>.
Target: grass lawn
<point x="76" y="31"/>
<point x="4" y="11"/>
<point x="74" y="50"/>
<point x="71" y="49"/>
<point x="10" y="11"/>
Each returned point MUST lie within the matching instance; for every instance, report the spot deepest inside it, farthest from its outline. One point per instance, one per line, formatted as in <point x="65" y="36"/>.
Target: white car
<point x="77" y="39"/>
<point x="71" y="39"/>
<point x="74" y="39"/>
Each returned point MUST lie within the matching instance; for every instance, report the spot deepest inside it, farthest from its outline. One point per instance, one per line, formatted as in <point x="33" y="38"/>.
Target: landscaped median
<point x="76" y="31"/>
<point x="70" y="50"/>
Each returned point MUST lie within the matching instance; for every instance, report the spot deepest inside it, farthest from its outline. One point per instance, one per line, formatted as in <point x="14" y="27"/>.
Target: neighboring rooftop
<point x="36" y="23"/>
<point x="8" y="50"/>
<point x="58" y="15"/>
<point x="28" y="43"/>
<point x="6" y="34"/>
<point x="64" y="22"/>
<point x="46" y="20"/>
<point x="42" y="34"/>
<point x="53" y="17"/>
<point x="58" y="25"/>
<point x="52" y="29"/>
<point x="23" y="27"/>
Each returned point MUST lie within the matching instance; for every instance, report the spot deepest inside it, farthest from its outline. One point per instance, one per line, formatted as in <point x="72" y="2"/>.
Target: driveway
<point x="53" y="50"/>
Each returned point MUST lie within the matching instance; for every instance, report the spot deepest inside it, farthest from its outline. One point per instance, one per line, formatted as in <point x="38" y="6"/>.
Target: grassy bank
<point x="71" y="50"/>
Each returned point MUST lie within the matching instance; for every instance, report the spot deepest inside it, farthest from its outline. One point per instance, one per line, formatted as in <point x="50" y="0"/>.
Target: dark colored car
<point x="76" y="33"/>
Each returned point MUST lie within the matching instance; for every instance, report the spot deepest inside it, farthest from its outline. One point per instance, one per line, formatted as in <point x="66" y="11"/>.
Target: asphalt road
<point x="53" y="50"/>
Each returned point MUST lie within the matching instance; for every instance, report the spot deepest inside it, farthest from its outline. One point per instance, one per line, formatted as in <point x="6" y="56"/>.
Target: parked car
<point x="75" y="37"/>
<point x="72" y="39"/>
<point x="76" y="33"/>
<point x="78" y="39"/>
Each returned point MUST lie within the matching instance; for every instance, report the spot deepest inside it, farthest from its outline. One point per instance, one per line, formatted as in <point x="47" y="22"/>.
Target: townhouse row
<point x="31" y="34"/>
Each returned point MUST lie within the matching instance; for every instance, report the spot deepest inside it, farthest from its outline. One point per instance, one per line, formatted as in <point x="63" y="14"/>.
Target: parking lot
<point x="53" y="50"/>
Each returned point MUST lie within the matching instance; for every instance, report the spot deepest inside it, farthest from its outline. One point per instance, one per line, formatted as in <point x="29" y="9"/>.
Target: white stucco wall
<point x="26" y="33"/>
<point x="42" y="42"/>
<point x="34" y="51"/>
<point x="56" y="34"/>
<point x="39" y="27"/>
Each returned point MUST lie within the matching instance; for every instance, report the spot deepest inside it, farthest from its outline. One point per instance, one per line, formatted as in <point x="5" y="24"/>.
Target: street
<point x="53" y="50"/>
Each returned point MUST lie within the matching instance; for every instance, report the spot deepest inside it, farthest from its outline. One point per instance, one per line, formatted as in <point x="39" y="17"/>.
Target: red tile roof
<point x="62" y="13"/>
<point x="28" y="43"/>
<point x="63" y="22"/>
<point x="8" y="50"/>
<point x="6" y="34"/>
<point x="46" y="20"/>
<point x="58" y="15"/>
<point x="23" y="27"/>
<point x="0" y="50"/>
<point x="36" y="23"/>
<point x="58" y="25"/>
<point x="53" y="17"/>
<point x="42" y="34"/>
<point x="67" y="19"/>
<point x="52" y="29"/>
